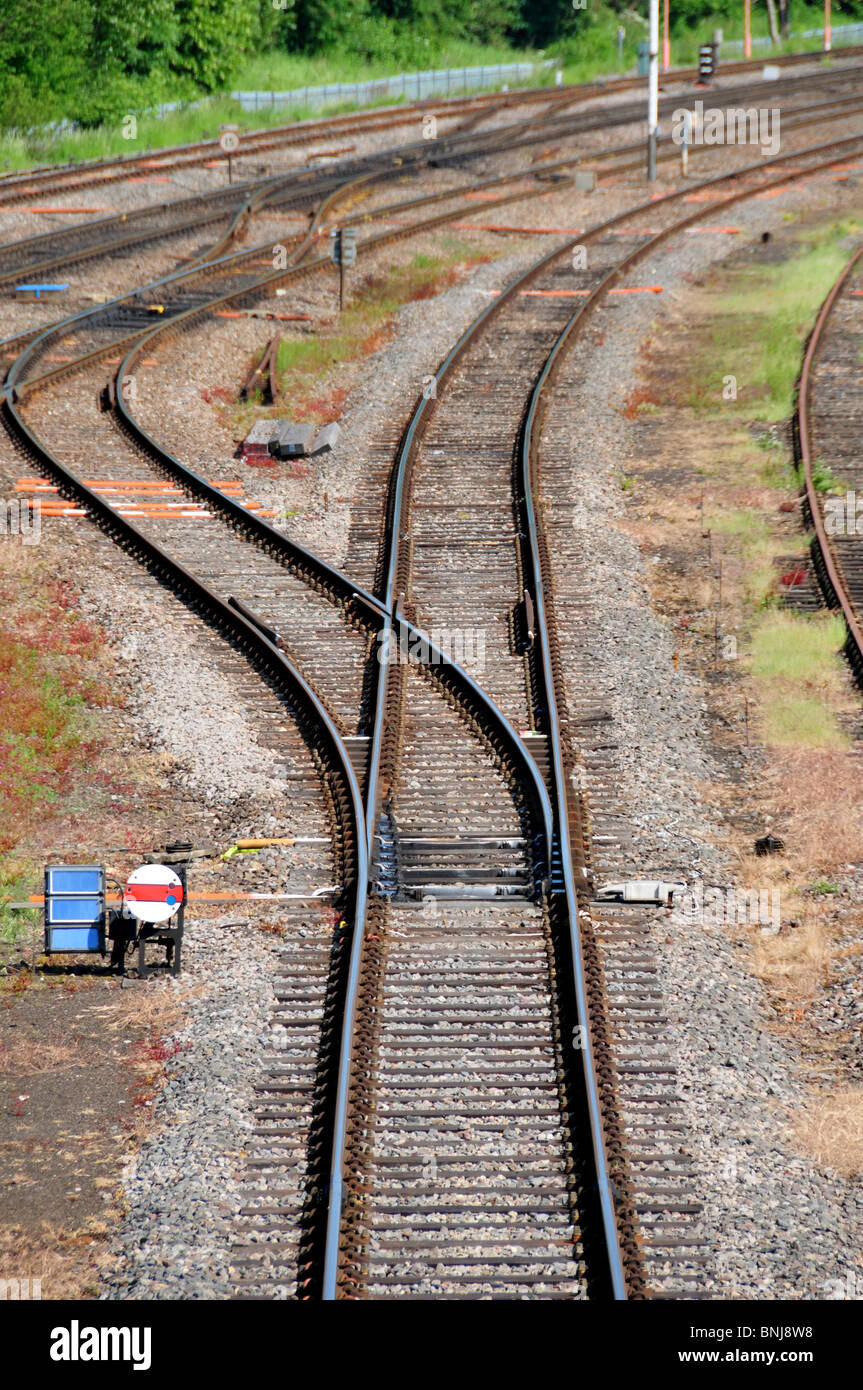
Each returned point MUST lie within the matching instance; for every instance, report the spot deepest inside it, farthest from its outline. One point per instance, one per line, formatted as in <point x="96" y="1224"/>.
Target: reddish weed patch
<point x="46" y="684"/>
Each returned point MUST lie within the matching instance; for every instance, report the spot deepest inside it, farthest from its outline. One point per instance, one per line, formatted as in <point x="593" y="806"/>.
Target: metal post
<point x="653" y="90"/>
<point x="719" y="594"/>
<point x="827" y="34"/>
<point x="666" y="42"/>
<point x="341" y="284"/>
<point x="747" y="28"/>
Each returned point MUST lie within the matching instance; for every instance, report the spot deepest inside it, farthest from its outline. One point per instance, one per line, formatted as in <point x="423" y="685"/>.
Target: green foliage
<point x="43" y="46"/>
<point x="823" y="479"/>
<point x="134" y="36"/>
<point x="553" y="20"/>
<point x="92" y="61"/>
<point x="213" y="37"/>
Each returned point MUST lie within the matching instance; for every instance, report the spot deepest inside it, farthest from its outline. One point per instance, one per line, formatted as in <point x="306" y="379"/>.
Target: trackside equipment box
<point x="74" y="908"/>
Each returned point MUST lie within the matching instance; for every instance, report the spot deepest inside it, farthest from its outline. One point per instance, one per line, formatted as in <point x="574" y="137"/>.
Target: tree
<point x="213" y="37"/>
<point x="43" y="58"/>
<point x="134" y="36"/>
<point x="545" y="21"/>
<point x="323" y="24"/>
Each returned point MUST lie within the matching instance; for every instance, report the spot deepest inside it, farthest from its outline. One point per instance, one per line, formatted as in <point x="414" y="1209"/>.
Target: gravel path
<point x="181" y="1189"/>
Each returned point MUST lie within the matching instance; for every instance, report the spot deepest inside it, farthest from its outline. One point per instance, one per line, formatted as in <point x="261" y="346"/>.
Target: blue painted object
<point x="39" y="289"/>
<point x="74" y="908"/>
<point x="74" y="939"/>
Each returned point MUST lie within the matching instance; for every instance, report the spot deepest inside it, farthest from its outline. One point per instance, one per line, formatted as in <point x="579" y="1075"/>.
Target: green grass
<point x="801" y="722"/>
<point x="308" y="365"/>
<point x="749" y="531"/>
<point x="796" y="664"/>
<point x="592" y="53"/>
<point x="787" y="646"/>
<point x="19" y="927"/>
<point x="759" y="328"/>
<point x="823" y="479"/>
<point x="278" y="71"/>
<point x="274" y="71"/>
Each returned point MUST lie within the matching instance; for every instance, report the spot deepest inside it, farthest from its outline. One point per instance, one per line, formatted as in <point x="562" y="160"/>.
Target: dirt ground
<point x="80" y="1061"/>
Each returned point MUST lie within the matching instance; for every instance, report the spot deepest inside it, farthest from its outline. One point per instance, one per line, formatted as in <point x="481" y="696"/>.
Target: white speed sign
<point x="228" y="141"/>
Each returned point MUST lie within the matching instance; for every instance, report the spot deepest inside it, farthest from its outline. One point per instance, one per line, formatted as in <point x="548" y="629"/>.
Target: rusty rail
<point x="829" y="570"/>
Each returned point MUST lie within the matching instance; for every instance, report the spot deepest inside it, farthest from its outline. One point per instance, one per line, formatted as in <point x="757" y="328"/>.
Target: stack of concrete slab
<point x="269" y="440"/>
<point x="256" y="441"/>
<point x="291" y="441"/>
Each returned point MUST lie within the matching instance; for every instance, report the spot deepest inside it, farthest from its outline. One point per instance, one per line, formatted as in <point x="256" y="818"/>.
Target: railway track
<point x="828" y="438"/>
<point x="384" y="1088"/>
<point x="458" y="1039"/>
<point x="119" y="323"/>
<point x="49" y="252"/>
<point x="16" y="187"/>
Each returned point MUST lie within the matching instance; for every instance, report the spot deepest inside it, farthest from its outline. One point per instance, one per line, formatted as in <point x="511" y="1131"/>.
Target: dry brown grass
<point x="824" y="792"/>
<point x="35" y="1057"/>
<point x="156" y="1007"/>
<point x="795" y="964"/>
<point x="66" y="1262"/>
<point x="831" y="1129"/>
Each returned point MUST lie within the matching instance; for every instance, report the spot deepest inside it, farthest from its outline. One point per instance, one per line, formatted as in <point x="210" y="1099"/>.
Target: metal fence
<point x="839" y="34"/>
<point x="411" y="86"/>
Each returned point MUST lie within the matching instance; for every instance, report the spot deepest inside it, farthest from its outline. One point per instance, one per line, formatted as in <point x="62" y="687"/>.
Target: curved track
<point x="383" y="1019"/>
<point x="830" y="431"/>
<point x="457" y="1012"/>
<point x="16" y="187"/>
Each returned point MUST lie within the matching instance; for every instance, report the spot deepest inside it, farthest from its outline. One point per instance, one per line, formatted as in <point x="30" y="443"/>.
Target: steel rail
<point x="20" y="183"/>
<point x="248" y="636"/>
<point x="137" y="341"/>
<point x="472" y="696"/>
<point x="119" y="526"/>
<point x="389" y="610"/>
<point x="273" y="663"/>
<point x="528" y="463"/>
<point x="829" y="570"/>
<point x="208" y="266"/>
<point x="287" y="188"/>
<point x="344" y="590"/>
<point x="264" y="139"/>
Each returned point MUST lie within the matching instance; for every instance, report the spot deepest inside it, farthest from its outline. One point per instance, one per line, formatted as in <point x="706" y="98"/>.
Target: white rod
<point x="653" y="90"/>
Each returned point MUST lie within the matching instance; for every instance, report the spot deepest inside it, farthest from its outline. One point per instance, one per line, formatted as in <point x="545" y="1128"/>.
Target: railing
<point x="410" y="86"/>
<point x="413" y="86"/>
<point x="839" y="34"/>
